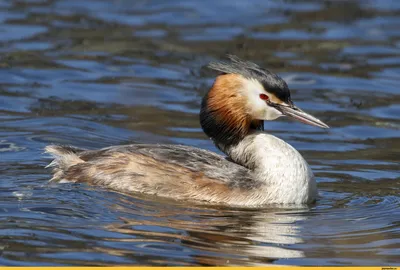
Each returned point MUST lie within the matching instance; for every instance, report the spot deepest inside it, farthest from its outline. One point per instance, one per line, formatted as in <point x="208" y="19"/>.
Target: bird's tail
<point x="64" y="158"/>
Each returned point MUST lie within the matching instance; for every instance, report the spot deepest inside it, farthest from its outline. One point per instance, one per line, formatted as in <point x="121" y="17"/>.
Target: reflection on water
<point x="250" y="238"/>
<point x="97" y="73"/>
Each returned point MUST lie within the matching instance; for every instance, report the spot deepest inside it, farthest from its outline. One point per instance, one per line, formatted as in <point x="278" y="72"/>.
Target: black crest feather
<point x="270" y="81"/>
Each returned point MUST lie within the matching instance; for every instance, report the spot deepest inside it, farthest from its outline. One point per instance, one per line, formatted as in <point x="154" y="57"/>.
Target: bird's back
<point x="175" y="171"/>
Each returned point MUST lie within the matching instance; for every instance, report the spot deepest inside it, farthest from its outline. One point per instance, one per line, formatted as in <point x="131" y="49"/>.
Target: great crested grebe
<point x="259" y="168"/>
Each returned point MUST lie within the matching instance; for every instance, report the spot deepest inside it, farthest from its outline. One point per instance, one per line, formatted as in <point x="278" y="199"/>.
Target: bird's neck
<point x="248" y="152"/>
<point x="226" y="136"/>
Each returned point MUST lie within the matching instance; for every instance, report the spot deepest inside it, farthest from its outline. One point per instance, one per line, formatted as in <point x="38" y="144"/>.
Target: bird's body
<point x="259" y="168"/>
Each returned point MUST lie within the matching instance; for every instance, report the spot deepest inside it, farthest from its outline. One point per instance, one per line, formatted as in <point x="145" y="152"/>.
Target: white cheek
<point x="262" y="111"/>
<point x="258" y="107"/>
<point x="271" y="113"/>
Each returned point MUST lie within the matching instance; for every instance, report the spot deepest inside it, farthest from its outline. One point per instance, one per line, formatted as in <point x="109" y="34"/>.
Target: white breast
<point x="287" y="176"/>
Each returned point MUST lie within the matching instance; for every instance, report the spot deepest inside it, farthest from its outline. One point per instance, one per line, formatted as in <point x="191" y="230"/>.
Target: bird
<point x="256" y="169"/>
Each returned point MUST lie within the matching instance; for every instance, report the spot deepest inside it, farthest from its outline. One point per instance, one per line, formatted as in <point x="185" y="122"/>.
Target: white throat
<point x="287" y="176"/>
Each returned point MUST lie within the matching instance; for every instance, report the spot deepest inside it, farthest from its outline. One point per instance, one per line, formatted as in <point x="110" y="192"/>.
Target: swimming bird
<point x="258" y="168"/>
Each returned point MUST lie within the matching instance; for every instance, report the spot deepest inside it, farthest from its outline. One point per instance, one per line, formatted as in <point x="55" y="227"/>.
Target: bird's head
<point x="242" y="97"/>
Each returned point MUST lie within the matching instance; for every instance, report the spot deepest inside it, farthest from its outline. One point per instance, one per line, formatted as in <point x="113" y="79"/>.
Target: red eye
<point x="264" y="97"/>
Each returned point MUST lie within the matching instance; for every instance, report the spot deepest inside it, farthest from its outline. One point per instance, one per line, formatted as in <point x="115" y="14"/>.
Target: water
<point x="98" y="73"/>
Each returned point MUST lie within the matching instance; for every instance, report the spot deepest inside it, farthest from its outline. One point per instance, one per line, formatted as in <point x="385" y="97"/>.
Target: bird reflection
<point x="200" y="235"/>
